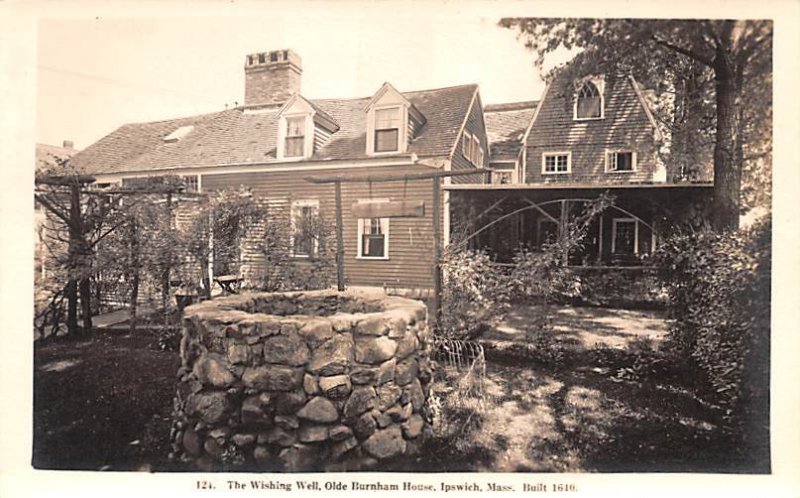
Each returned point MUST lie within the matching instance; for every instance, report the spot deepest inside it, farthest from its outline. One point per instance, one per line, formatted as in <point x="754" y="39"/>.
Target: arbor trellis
<point x="125" y="234"/>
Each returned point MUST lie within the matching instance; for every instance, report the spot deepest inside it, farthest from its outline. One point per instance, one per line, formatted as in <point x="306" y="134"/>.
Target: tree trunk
<point x="727" y="173"/>
<point x="165" y="277"/>
<point x="206" y="278"/>
<point x="74" y="254"/>
<point x="86" y="303"/>
<point x="134" y="272"/>
<point x="72" y="307"/>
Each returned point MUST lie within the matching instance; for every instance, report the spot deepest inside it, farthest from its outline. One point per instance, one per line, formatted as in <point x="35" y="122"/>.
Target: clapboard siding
<point x="410" y="239"/>
<point x="625" y="126"/>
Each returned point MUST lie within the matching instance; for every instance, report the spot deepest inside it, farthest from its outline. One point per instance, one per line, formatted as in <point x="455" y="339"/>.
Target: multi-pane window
<point x="295" y="140"/>
<point x="620" y="161"/>
<point x="387" y="130"/>
<point x="190" y="183"/>
<point x="625" y="235"/>
<point x="373" y="237"/>
<point x="471" y="148"/>
<point x="556" y="163"/>
<point x="303" y="233"/>
<point x="589" y="103"/>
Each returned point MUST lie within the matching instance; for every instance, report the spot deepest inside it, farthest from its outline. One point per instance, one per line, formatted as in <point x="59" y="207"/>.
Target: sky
<point x="96" y="73"/>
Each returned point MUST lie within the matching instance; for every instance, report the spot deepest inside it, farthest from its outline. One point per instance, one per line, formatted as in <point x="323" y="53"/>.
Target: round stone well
<point x="318" y="380"/>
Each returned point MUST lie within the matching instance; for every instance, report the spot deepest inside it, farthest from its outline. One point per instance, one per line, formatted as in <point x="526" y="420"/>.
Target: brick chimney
<point x="271" y="77"/>
<point x="68" y="144"/>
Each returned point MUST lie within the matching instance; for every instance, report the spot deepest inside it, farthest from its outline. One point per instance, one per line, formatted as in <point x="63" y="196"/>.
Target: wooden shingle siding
<point x="475" y="127"/>
<point x="410" y="239"/>
<point x="625" y="126"/>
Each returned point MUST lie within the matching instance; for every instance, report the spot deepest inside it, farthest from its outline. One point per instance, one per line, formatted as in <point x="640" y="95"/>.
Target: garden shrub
<point x="620" y="288"/>
<point x="541" y="276"/>
<point x="279" y="271"/>
<point x="476" y="290"/>
<point x="474" y="293"/>
<point x="719" y="297"/>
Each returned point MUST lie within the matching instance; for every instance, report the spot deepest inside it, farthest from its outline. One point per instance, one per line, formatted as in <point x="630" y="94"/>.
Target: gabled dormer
<point x="392" y="122"/>
<point x="302" y="129"/>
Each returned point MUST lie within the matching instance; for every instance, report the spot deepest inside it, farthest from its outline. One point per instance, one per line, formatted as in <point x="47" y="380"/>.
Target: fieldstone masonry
<point x="301" y="381"/>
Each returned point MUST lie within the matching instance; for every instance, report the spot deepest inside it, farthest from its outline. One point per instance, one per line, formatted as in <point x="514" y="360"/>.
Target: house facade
<point x="536" y="164"/>
<point x="278" y="139"/>
<point x="551" y="158"/>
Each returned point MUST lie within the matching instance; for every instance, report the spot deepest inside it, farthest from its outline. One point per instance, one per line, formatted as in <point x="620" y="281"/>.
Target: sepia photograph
<point x="420" y="241"/>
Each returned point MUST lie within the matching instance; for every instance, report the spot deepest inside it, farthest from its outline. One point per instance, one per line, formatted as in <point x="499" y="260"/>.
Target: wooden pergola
<point x="396" y="210"/>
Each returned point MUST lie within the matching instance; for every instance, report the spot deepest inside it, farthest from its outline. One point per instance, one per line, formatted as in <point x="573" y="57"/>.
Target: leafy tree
<point x="77" y="220"/>
<point x="217" y="228"/>
<point x="736" y="56"/>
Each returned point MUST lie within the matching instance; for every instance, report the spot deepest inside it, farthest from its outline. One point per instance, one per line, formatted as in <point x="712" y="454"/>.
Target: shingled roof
<point x="239" y="136"/>
<point x="506" y="125"/>
<point x="50" y="158"/>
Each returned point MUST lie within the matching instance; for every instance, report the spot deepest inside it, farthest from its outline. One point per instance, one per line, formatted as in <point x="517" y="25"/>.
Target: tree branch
<point x="685" y="51"/>
<point x="50" y="207"/>
<point x="107" y="232"/>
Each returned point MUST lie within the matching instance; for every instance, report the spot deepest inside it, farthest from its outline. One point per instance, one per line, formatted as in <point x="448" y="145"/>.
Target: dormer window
<point x="392" y="122"/>
<point x="387" y="129"/>
<point x="303" y="128"/>
<point x="589" y="101"/>
<point x="295" y="140"/>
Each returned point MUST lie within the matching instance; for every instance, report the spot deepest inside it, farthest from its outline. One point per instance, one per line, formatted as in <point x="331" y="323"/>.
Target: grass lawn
<point x="575" y="414"/>
<point x="104" y="402"/>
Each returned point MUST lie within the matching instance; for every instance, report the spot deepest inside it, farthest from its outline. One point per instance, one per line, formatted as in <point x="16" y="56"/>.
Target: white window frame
<point x="497" y="173"/>
<point x="402" y="127"/>
<point x="614" y="224"/>
<point x="301" y="203"/>
<point x="557" y="153"/>
<point x="611" y="152"/>
<point x="186" y="178"/>
<point x="599" y="83"/>
<point x="360" y="233"/>
<point x="308" y="142"/>
<point x="466" y="145"/>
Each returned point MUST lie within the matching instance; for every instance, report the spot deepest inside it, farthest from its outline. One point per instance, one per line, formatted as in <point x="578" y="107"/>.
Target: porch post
<point x="562" y="230"/>
<point x="437" y="252"/>
<point x="339" y="238"/>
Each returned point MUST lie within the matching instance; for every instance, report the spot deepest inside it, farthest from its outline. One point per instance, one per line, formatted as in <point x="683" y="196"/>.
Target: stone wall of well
<point x="301" y="381"/>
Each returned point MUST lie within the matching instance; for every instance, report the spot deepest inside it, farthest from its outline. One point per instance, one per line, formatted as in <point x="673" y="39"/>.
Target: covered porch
<point x="502" y="219"/>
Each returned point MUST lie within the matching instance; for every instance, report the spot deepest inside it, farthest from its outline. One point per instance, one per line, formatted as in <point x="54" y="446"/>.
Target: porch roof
<point x="573" y="186"/>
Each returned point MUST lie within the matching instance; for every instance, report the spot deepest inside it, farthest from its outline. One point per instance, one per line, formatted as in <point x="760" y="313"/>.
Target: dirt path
<point x="588" y="327"/>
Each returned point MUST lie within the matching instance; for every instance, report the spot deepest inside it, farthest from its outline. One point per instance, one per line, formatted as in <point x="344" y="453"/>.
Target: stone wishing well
<point x="301" y="381"/>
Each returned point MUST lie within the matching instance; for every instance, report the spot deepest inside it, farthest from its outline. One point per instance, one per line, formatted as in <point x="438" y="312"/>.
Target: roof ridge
<point x="511" y="106"/>
<point x="452" y="87"/>
<point x="353" y="99"/>
<point x="194" y="116"/>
